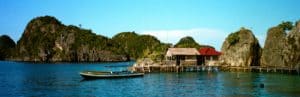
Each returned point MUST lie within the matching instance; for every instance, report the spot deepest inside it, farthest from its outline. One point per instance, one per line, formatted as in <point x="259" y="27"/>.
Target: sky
<point x="207" y="21"/>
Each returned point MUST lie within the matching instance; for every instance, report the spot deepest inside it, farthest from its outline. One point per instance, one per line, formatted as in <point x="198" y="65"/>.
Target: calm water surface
<point x="62" y="79"/>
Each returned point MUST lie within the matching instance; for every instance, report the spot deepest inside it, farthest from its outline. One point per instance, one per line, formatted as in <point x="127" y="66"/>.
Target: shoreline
<point x="185" y="68"/>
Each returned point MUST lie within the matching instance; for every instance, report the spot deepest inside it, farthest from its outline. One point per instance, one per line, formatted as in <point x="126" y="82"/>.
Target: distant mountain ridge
<point x="46" y="39"/>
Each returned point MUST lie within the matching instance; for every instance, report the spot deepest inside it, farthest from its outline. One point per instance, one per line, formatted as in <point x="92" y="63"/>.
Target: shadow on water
<point x="97" y="79"/>
<point x="86" y="80"/>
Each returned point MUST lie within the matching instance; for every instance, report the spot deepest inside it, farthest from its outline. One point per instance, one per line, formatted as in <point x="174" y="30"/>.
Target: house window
<point x="215" y="57"/>
<point x="182" y="57"/>
<point x="206" y="57"/>
<point x="170" y="58"/>
<point x="190" y="57"/>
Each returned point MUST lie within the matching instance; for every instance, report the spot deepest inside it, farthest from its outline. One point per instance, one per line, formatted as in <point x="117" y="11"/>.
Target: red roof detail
<point x="209" y="51"/>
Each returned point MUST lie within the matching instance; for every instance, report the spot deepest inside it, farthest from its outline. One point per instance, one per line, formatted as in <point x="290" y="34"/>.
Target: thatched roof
<point x="182" y="51"/>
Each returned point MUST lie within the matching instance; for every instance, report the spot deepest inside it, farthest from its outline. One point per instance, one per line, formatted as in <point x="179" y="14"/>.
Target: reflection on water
<point x="26" y="79"/>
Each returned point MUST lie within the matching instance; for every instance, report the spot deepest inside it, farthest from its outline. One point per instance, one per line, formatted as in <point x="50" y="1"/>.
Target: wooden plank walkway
<point x="261" y="69"/>
<point x="170" y="68"/>
<point x="165" y="68"/>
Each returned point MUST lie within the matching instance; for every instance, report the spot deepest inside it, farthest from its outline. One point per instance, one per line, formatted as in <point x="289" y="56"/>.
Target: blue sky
<point x="207" y="21"/>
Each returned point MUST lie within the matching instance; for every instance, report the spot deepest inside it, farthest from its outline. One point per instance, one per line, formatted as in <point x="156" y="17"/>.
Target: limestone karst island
<point x="149" y="48"/>
<point x="46" y="39"/>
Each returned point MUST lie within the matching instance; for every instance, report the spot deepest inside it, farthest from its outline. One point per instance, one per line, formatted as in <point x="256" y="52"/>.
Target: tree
<point x="233" y="38"/>
<point x="286" y="25"/>
<point x="80" y="25"/>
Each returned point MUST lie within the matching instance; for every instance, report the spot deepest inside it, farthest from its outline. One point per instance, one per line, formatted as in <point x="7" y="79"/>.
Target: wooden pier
<point x="172" y="68"/>
<point x="262" y="69"/>
<point x="148" y="69"/>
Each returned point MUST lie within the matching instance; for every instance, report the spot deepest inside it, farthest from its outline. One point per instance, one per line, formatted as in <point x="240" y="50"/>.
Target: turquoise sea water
<point x="62" y="79"/>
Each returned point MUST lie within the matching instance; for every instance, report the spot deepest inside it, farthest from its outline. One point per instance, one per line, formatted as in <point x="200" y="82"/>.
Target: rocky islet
<point x="47" y="39"/>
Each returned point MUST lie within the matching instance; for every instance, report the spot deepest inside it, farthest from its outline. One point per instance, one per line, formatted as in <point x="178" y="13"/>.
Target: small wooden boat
<point x="105" y="74"/>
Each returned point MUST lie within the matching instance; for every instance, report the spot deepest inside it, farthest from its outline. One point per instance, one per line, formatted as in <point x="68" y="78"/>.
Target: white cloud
<point x="206" y="36"/>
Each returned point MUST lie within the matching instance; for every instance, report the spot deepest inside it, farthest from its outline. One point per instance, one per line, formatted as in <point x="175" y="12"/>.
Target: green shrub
<point x="286" y="25"/>
<point x="233" y="38"/>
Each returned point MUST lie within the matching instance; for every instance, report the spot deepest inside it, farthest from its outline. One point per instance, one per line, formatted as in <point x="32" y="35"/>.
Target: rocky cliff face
<point x="272" y="54"/>
<point x="282" y="47"/>
<point x="292" y="47"/>
<point x="241" y="49"/>
<point x="47" y="39"/>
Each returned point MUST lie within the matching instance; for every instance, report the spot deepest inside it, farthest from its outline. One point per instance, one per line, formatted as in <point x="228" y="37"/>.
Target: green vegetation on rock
<point x="187" y="42"/>
<point x="47" y="39"/>
<point x="6" y="47"/>
<point x="233" y="38"/>
<point x="286" y="25"/>
<point x="140" y="46"/>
